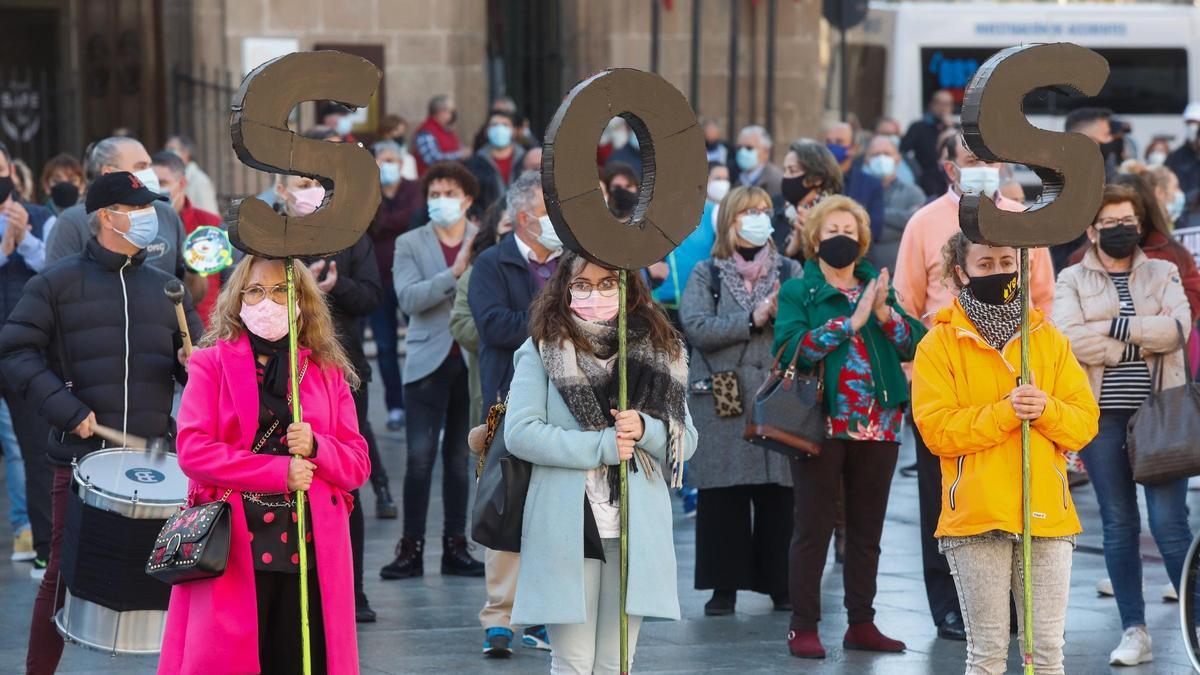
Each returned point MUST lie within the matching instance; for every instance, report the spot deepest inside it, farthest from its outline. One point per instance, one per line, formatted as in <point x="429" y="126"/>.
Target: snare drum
<point x="119" y="501"/>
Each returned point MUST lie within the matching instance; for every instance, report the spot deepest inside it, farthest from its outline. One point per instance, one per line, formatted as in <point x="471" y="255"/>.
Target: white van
<point x="917" y="48"/>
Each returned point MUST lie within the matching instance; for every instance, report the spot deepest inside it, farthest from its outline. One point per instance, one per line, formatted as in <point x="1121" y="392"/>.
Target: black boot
<point x="456" y="561"/>
<point x="409" y="560"/>
<point x="721" y="604"/>
<point x="362" y="609"/>
<point x="385" y="508"/>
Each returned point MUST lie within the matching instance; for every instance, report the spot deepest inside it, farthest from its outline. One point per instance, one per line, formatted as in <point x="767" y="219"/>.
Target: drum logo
<point x="145" y="475"/>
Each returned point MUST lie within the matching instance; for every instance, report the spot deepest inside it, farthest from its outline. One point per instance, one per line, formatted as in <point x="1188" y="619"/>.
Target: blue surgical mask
<point x="143" y="226"/>
<point x="344" y="125"/>
<point x="747" y="159"/>
<point x="389" y="173"/>
<point x="880" y="166"/>
<point x="549" y="237"/>
<point x="895" y="139"/>
<point x="977" y="180"/>
<point x="445" y="211"/>
<point x="1176" y="206"/>
<point x="500" y="135"/>
<point x="634" y="142"/>
<point x="757" y="229"/>
<point x="840" y="152"/>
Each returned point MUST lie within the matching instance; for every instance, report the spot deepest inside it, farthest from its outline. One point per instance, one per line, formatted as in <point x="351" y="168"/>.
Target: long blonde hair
<point x="739" y="199"/>
<point x="315" y="324"/>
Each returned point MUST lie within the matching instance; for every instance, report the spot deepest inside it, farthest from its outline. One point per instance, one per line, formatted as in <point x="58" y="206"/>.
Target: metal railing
<point x="199" y="104"/>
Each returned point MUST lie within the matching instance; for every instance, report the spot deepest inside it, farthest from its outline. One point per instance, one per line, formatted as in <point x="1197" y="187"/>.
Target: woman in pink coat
<point x="236" y="435"/>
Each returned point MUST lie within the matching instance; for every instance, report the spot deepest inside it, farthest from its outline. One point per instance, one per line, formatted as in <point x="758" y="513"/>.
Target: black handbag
<point x="788" y="414"/>
<point x="500" y="494"/>
<point x="1162" y="433"/>
<point x="193" y="544"/>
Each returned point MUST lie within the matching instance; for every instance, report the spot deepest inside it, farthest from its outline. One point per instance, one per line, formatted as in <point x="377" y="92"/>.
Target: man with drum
<point x="95" y="341"/>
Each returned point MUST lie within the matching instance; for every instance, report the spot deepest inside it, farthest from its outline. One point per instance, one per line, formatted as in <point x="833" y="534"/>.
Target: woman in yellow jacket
<point x="968" y="406"/>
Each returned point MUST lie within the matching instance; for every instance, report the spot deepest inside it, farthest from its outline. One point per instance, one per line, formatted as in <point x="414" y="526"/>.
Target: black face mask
<point x="622" y="202"/>
<point x="1119" y="242"/>
<point x="1112" y="149"/>
<point x="64" y="194"/>
<point x="995" y="289"/>
<point x="6" y="188"/>
<point x="794" y="190"/>
<point x="838" y="252"/>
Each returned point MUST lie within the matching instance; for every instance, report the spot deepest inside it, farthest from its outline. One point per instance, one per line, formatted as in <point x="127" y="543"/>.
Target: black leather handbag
<point x="1162" y="433"/>
<point x="500" y="494"/>
<point x="193" y="544"/>
<point x="788" y="415"/>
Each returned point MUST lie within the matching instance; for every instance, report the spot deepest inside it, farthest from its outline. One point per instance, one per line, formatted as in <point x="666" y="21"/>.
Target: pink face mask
<point x="596" y="307"/>
<point x="307" y="200"/>
<point x="268" y="319"/>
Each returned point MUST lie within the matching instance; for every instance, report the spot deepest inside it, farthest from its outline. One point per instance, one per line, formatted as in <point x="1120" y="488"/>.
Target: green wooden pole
<point x="297" y="417"/>
<point x="1026" y="510"/>
<point x="623" y="403"/>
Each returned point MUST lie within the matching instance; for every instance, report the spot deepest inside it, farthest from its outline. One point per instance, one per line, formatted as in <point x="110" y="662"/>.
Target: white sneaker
<point x="1104" y="587"/>
<point x="1168" y="593"/>
<point x="1134" y="648"/>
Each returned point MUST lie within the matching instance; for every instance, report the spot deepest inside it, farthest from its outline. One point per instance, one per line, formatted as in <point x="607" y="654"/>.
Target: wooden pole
<point x="297" y="417"/>
<point x="623" y="403"/>
<point x="1026" y="536"/>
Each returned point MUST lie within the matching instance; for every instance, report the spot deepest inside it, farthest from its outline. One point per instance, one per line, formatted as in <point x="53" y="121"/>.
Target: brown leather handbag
<point x="788" y="415"/>
<point x="1163" y="433"/>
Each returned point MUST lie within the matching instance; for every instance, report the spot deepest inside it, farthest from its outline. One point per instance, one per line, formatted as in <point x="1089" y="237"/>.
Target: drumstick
<point x="126" y="440"/>
<point x="174" y="291"/>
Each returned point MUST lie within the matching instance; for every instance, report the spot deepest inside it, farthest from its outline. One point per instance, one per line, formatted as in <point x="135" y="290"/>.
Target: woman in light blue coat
<point x="562" y="417"/>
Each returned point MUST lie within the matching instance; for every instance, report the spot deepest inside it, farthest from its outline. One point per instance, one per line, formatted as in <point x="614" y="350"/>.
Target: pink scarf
<point x="752" y="270"/>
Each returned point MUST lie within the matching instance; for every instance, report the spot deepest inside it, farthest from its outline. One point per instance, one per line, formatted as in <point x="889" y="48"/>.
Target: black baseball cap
<point x="119" y="187"/>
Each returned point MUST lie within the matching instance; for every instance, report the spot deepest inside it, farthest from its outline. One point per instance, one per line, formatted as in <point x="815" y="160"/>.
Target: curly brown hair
<point x="954" y="254"/>
<point x="550" y="315"/>
<point x="454" y="171"/>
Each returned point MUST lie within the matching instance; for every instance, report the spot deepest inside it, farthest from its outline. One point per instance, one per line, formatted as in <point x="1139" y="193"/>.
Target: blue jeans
<point x="1166" y="505"/>
<point x="14" y="472"/>
<point x="384" y="324"/>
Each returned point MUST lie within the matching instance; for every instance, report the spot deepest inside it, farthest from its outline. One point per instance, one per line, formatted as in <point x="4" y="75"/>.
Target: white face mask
<point x="717" y="189"/>
<point x="149" y="179"/>
<point x="756" y="230"/>
<point x="1157" y="158"/>
<point x="548" y="237"/>
<point x="984" y="180"/>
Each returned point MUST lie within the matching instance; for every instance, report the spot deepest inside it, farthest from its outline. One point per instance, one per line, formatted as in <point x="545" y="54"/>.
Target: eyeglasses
<point x="754" y="212"/>
<point x="252" y="295"/>
<point x="582" y="290"/>
<point x="1127" y="221"/>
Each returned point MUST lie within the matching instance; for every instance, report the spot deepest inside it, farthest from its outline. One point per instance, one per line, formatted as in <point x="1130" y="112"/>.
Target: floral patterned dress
<point x="857" y="415"/>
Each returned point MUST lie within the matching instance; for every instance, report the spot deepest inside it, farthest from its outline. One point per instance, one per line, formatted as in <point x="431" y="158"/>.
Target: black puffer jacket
<point x="76" y="310"/>
<point x="355" y="295"/>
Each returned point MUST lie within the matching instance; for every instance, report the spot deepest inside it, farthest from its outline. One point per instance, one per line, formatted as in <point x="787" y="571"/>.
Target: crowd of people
<point x="845" y="258"/>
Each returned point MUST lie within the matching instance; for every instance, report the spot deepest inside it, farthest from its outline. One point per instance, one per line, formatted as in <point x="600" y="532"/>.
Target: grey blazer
<point x="425" y="292"/>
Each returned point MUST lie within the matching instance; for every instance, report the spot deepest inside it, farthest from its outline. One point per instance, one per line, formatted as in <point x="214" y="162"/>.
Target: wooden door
<point x="120" y="71"/>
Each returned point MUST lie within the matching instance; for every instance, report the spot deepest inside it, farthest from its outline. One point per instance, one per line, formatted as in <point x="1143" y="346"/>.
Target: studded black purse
<point x="193" y="544"/>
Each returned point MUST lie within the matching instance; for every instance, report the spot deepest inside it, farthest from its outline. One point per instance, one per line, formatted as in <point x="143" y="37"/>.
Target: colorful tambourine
<point x="207" y="250"/>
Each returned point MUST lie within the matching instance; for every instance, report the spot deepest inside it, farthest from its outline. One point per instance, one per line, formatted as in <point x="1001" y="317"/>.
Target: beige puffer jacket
<point x="1085" y="293"/>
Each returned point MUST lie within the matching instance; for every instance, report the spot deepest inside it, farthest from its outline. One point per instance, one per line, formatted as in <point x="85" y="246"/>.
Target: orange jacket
<point x="960" y="390"/>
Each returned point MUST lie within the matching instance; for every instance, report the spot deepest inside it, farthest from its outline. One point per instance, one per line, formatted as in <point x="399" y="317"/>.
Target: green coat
<point x="809" y="301"/>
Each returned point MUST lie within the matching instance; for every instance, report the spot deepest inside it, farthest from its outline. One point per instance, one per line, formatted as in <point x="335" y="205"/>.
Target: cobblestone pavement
<point x="430" y="625"/>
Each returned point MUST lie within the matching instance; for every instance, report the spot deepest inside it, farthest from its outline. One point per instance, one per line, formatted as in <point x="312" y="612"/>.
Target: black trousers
<point x="437" y="405"/>
<point x="939" y="584"/>
<point x="362" y="400"/>
<point x="864" y="469"/>
<point x="32" y="434"/>
<point x="742" y="535"/>
<point x="278" y="595"/>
